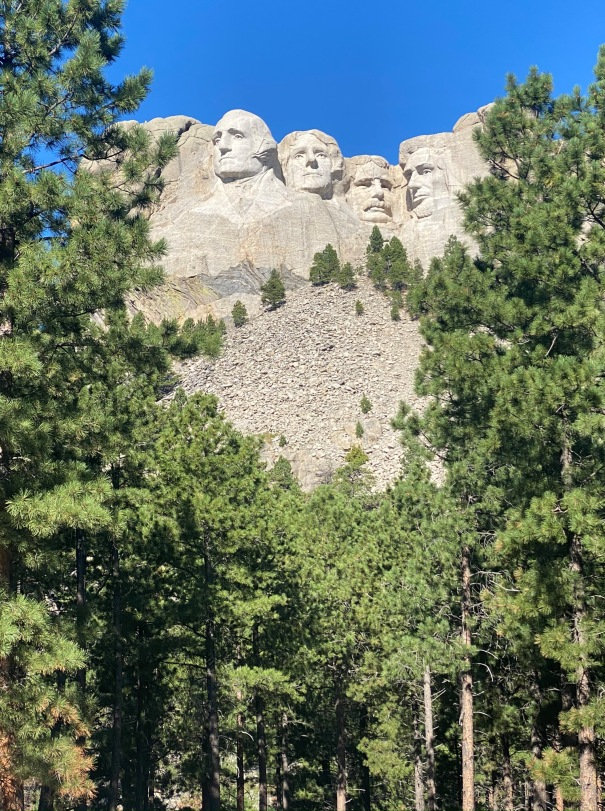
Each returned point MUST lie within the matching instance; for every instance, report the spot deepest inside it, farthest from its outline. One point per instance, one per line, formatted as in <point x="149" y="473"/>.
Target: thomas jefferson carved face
<point x="426" y="182"/>
<point x="241" y="145"/>
<point x="308" y="167"/>
<point x="370" y="191"/>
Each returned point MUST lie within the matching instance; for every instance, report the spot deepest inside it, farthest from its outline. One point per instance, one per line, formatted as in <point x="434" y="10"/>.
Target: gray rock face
<point x="237" y="205"/>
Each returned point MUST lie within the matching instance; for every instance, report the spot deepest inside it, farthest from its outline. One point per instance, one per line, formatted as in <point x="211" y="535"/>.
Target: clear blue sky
<point x="369" y="73"/>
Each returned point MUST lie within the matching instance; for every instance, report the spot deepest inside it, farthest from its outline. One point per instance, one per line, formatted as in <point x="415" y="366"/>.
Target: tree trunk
<point x="429" y="741"/>
<point x="118" y="683"/>
<point x="261" y="744"/>
<point x="466" y="691"/>
<point x="341" y="751"/>
<point x="586" y="735"/>
<point x="539" y="794"/>
<point x="81" y="613"/>
<point x="508" y="803"/>
<point x="284" y="766"/>
<point x="418" y="776"/>
<point x="366" y="784"/>
<point x="81" y="603"/>
<point x="211" y="788"/>
<point x="141" y="787"/>
<point x="239" y="757"/>
<point x="11" y="788"/>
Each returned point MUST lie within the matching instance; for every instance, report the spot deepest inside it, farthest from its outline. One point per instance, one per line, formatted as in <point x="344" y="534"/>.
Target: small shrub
<point x="395" y="312"/>
<point x="365" y="405"/>
<point x="273" y="292"/>
<point x="325" y="267"/>
<point x="359" y="430"/>
<point x="193" y="337"/>
<point x="282" y="441"/>
<point x="359" y="307"/>
<point x="345" y="277"/>
<point x="239" y="314"/>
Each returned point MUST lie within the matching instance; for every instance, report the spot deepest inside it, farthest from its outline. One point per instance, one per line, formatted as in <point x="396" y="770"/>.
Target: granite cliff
<point x="237" y="204"/>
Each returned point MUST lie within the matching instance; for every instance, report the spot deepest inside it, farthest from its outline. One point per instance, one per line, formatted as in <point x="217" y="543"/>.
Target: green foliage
<point x="273" y="292"/>
<point x="239" y="314"/>
<point x="359" y="432"/>
<point x="365" y="405"/>
<point x="193" y="337"/>
<point x="376" y="241"/>
<point x="359" y="307"/>
<point x="39" y="718"/>
<point x="326" y="267"/>
<point x="345" y="277"/>
<point x="390" y="270"/>
<point x="514" y="364"/>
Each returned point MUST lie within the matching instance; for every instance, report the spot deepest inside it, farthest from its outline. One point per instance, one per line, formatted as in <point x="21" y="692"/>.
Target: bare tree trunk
<point x="142" y="735"/>
<point x="284" y="766"/>
<point x="11" y="788"/>
<point x="81" y="603"/>
<point x="240" y="777"/>
<point x="507" y="776"/>
<point x="261" y="744"/>
<point x="559" y="801"/>
<point x="81" y="612"/>
<point x="261" y="738"/>
<point x="418" y="776"/>
<point x="539" y="795"/>
<point x="366" y="783"/>
<point x="211" y="785"/>
<point x="586" y="735"/>
<point x="341" y="751"/>
<point x="118" y="680"/>
<point x="429" y="741"/>
<point x="466" y="691"/>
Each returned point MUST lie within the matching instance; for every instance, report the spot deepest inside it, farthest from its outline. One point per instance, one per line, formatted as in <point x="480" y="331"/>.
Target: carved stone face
<point x="240" y="143"/>
<point x="370" y="192"/>
<point x="309" y="166"/>
<point x="426" y="182"/>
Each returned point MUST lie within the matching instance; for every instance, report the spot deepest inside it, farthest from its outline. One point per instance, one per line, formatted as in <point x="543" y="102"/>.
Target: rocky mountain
<point x="296" y="376"/>
<point x="236" y="205"/>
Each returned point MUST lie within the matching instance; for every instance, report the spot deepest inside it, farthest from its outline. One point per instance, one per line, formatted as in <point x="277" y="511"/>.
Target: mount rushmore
<point x="237" y="204"/>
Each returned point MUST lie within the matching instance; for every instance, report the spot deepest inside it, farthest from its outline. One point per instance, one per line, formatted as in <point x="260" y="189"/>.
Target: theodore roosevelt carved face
<point x="242" y="146"/>
<point x="370" y="191"/>
<point x="311" y="162"/>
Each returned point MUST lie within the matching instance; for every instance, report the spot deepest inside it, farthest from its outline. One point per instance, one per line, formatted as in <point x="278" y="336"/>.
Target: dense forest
<point x="181" y="627"/>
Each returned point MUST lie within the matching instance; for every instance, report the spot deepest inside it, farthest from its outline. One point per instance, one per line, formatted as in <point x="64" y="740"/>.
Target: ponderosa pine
<point x="69" y="247"/>
<point x="516" y="367"/>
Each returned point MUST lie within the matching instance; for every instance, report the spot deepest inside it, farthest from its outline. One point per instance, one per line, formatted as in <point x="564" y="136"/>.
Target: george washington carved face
<point x="242" y="146"/>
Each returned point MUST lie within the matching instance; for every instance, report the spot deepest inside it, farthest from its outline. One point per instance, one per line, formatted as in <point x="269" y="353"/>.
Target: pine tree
<point x="239" y="314"/>
<point x="70" y="246"/>
<point x="515" y="341"/>
<point x="273" y="292"/>
<point x="345" y="277"/>
<point x="376" y="241"/>
<point x="325" y="267"/>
